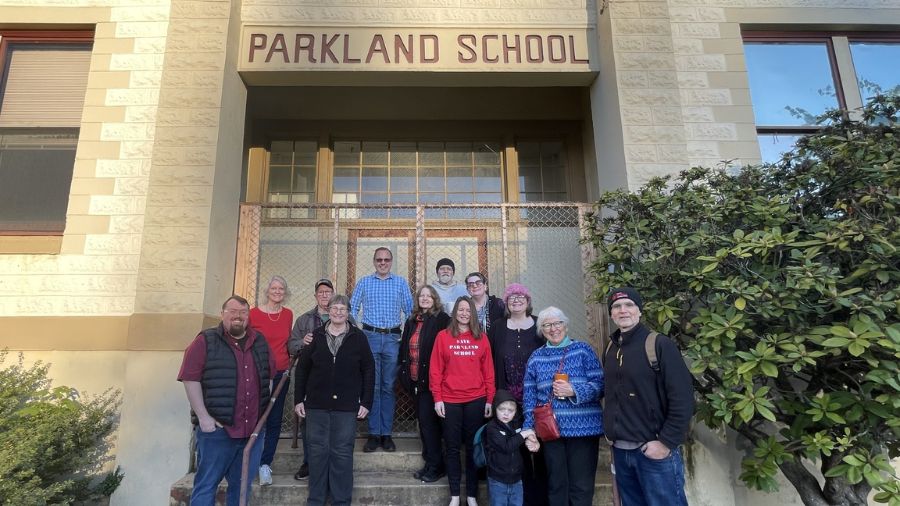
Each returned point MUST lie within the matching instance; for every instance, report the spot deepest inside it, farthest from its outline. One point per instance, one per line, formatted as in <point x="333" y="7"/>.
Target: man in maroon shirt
<point x="227" y="374"/>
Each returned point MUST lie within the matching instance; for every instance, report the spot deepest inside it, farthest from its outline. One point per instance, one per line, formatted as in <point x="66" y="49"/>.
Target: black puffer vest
<point x="219" y="380"/>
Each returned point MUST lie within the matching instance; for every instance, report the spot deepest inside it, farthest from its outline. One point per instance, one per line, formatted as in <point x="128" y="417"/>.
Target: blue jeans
<point x="643" y="481"/>
<point x="505" y="494"/>
<point x="385" y="348"/>
<point x="331" y="456"/>
<point x="219" y="456"/>
<point x="273" y="423"/>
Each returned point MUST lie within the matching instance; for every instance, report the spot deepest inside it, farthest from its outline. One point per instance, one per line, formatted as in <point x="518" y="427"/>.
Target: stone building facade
<point x="174" y="109"/>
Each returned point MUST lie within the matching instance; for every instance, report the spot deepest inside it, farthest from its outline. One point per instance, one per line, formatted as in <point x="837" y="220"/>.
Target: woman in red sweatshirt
<point x="462" y="383"/>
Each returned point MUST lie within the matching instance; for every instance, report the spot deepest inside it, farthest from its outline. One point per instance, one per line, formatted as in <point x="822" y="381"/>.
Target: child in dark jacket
<point x="503" y="437"/>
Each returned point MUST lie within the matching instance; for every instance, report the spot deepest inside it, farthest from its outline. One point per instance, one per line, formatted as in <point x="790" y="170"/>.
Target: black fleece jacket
<point x="431" y="325"/>
<point x="633" y="410"/>
<point x="336" y="383"/>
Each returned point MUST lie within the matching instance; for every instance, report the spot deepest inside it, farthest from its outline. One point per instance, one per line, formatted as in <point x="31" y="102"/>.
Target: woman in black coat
<point x="513" y="339"/>
<point x="427" y="320"/>
<point x="335" y="384"/>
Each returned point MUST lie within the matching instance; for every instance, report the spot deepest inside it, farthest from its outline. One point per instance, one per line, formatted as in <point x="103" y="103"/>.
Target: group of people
<point x="467" y="358"/>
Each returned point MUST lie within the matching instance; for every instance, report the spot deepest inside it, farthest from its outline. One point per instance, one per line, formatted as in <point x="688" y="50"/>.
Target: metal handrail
<point x="245" y="459"/>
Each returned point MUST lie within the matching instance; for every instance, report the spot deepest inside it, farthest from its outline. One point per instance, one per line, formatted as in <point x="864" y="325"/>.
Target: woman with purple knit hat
<point x="513" y="338"/>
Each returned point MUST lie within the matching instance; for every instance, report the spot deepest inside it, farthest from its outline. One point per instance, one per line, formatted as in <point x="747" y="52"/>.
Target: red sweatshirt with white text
<point x="462" y="369"/>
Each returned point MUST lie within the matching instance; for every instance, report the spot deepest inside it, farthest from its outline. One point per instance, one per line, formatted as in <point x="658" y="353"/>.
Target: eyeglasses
<point x="475" y="283"/>
<point x="338" y="309"/>
<point x="384" y="260"/>
<point x="239" y="312"/>
<point x="517" y="298"/>
<point x="553" y="325"/>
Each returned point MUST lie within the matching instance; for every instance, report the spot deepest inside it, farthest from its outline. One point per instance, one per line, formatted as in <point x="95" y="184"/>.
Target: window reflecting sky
<point x="789" y="75"/>
<point x="877" y="67"/>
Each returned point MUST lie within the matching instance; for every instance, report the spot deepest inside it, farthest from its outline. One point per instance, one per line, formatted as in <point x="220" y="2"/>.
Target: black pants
<point x="571" y="469"/>
<point x="460" y="424"/>
<point x="331" y="456"/>
<point x="534" y="477"/>
<point x="429" y="432"/>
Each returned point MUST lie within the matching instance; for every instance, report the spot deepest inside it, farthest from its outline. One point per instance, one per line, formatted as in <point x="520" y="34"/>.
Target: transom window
<point x="292" y="176"/>
<point x="542" y="171"/>
<point x="381" y="173"/>
<point x="405" y="172"/>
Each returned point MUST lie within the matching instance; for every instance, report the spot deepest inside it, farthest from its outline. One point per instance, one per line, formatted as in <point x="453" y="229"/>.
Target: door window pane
<point x="790" y="82"/>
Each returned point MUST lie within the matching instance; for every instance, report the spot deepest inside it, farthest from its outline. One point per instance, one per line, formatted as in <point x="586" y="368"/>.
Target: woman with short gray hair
<point x="566" y="373"/>
<point x="335" y="388"/>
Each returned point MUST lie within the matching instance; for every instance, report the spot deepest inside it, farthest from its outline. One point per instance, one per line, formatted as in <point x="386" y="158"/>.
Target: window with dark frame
<point x="407" y="172"/>
<point x="43" y="78"/>
<point x="795" y="77"/>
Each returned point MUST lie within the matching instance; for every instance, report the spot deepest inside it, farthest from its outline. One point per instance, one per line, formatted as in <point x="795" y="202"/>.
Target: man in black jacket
<point x="648" y="408"/>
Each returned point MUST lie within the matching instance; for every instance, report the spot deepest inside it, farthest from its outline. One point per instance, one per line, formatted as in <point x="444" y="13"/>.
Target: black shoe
<point x="432" y="476"/>
<point x="303" y="473"/>
<point x="372" y="444"/>
<point x="388" y="444"/>
<point x="418" y="474"/>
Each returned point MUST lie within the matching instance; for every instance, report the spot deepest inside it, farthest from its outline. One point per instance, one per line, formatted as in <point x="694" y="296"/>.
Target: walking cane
<point x="245" y="462"/>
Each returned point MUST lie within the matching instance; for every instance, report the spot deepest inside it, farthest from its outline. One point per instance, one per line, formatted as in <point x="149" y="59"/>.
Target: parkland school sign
<point x="386" y="49"/>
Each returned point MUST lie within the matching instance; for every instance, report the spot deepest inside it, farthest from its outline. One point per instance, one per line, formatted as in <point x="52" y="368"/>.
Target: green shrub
<point x="781" y="284"/>
<point x="52" y="443"/>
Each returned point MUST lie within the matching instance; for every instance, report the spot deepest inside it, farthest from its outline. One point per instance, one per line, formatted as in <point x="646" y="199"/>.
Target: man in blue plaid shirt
<point x="386" y="302"/>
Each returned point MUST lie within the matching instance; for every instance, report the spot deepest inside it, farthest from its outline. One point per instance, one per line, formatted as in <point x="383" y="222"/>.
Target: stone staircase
<point x="380" y="479"/>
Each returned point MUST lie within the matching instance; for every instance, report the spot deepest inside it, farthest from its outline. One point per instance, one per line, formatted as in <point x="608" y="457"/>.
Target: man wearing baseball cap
<point x="447" y="288"/>
<point x="301" y="335"/>
<point x="648" y="407"/>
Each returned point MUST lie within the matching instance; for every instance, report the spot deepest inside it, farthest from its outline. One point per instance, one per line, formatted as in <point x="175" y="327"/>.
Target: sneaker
<point x="303" y="473"/>
<point x="388" y="444"/>
<point x="372" y="444"/>
<point x="265" y="475"/>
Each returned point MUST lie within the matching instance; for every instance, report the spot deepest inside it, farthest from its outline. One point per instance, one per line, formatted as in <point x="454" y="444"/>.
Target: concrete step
<point x="407" y="458"/>
<point x="369" y="488"/>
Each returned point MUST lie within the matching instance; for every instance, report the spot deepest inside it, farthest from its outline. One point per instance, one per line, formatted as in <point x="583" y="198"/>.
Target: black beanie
<point x="624" y="293"/>
<point x="502" y="396"/>
<point x="445" y="261"/>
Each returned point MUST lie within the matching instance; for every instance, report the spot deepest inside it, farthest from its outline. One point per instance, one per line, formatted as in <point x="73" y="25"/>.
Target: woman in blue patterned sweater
<point x="571" y="459"/>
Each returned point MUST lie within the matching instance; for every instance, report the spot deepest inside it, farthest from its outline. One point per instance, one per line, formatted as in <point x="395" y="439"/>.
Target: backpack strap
<point x="650" y="350"/>
<point x="653" y="359"/>
<point x="605" y="352"/>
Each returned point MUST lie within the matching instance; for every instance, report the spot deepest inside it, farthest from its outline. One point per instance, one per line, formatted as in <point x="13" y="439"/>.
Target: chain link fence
<point x="537" y="245"/>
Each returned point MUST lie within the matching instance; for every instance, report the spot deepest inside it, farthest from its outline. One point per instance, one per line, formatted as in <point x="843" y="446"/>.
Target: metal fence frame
<point x="253" y="219"/>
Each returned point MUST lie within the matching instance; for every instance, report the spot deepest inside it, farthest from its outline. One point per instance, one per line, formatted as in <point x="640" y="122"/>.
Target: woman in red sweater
<point x="462" y="383"/>
<point x="274" y="321"/>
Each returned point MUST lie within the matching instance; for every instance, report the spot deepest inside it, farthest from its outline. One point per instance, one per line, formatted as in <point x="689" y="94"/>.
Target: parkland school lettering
<point x="464" y="348"/>
<point x="304" y="48"/>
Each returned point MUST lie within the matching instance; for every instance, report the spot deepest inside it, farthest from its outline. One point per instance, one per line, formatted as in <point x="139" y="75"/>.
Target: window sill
<point x="30" y="244"/>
